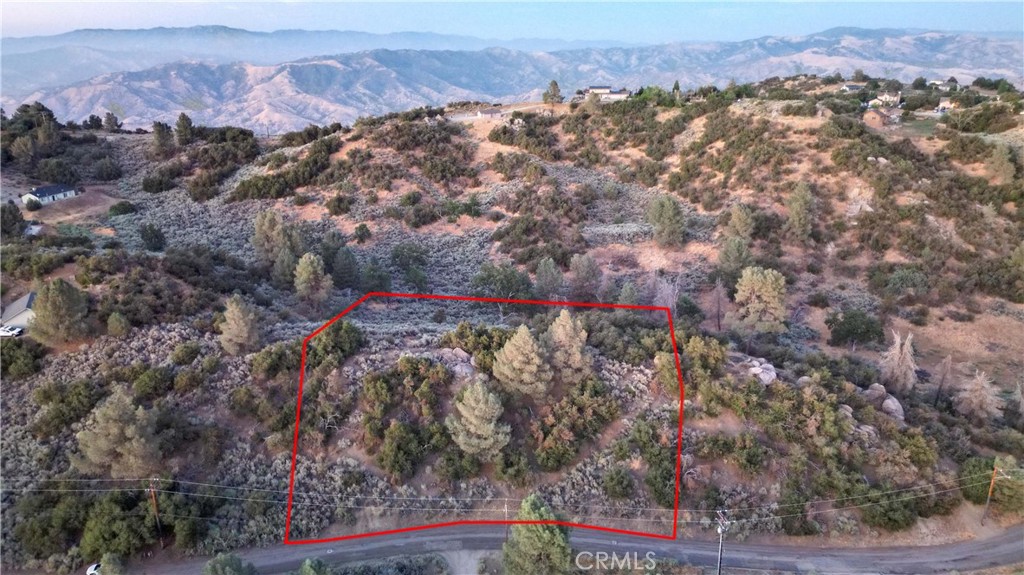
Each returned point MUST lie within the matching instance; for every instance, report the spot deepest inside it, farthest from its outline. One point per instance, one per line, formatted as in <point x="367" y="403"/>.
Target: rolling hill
<point x="279" y="97"/>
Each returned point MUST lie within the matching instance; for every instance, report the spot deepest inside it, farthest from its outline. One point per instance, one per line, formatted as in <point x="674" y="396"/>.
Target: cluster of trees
<point x="530" y="132"/>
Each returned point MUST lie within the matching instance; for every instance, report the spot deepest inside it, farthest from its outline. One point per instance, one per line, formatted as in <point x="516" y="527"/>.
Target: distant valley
<point x="278" y="97"/>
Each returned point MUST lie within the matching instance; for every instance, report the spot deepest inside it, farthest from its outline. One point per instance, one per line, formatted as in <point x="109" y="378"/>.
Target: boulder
<point x="804" y="380"/>
<point x="463" y="370"/>
<point x="875" y="393"/>
<point x="891" y="406"/>
<point x="765" y="373"/>
<point x="461" y="355"/>
<point x="845" y="410"/>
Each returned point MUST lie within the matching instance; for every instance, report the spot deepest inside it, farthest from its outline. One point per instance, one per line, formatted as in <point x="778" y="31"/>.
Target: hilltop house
<point x="49" y="194"/>
<point x="852" y="87"/>
<point x="19" y="313"/>
<point x="489" y="113"/>
<point x="606" y="94"/>
<point x="885" y="99"/>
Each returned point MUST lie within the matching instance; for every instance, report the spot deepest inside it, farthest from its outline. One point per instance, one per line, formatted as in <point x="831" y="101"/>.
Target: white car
<point x="93" y="569"/>
<point x="8" y="331"/>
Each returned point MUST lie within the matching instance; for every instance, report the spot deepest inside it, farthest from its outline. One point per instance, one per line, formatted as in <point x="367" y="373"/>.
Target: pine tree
<point x="475" y="428"/>
<point x="163" y="140"/>
<point x="978" y="399"/>
<point x="330" y="243"/>
<point x="111" y="123"/>
<point x="899" y="370"/>
<point x="271" y="236"/>
<point x="120" y="439"/>
<point x="760" y="297"/>
<point x="668" y="220"/>
<point x="345" y="270"/>
<point x="312" y="284"/>
<point x="548" y="284"/>
<point x="585" y="284"/>
<point x="60" y="312"/>
<point x="283" y="272"/>
<point x="628" y="294"/>
<point x="520" y="367"/>
<point x="240" y="332"/>
<point x="184" y="131"/>
<point x="12" y="223"/>
<point x="735" y="256"/>
<point x="553" y="95"/>
<point x="801" y="216"/>
<point x="566" y="340"/>
<point x="537" y="548"/>
<point x="741" y="222"/>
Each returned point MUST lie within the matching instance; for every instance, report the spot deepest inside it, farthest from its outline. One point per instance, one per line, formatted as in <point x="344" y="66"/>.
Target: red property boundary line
<point x="358" y="302"/>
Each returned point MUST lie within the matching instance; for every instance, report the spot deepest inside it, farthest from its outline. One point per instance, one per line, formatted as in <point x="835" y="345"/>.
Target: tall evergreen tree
<point x="240" y="332"/>
<point x="12" y="223"/>
<point x="548" y="285"/>
<point x="520" y="367"/>
<point x="585" y="284"/>
<point x="184" y="131"/>
<point x="801" y="213"/>
<point x="668" y="220"/>
<point x="120" y="439"/>
<point x="566" y="341"/>
<point x="475" y="427"/>
<point x="553" y="95"/>
<point x="111" y="123"/>
<point x="899" y="370"/>
<point x="163" y="140"/>
<point x="312" y="284"/>
<point x="60" y="312"/>
<point x="760" y="297"/>
<point x="537" y="548"/>
<point x="345" y="269"/>
<point x="741" y="222"/>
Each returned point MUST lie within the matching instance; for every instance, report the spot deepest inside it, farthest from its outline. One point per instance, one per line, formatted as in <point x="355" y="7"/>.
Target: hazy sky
<point x="631" y="22"/>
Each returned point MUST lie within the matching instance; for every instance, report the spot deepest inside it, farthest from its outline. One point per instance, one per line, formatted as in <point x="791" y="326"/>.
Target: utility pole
<point x="156" y="511"/>
<point x="991" y="487"/>
<point x="507" y="526"/>
<point x="723" y="526"/>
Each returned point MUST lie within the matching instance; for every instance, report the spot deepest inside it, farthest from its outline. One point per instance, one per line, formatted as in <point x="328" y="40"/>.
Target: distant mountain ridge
<point x="68" y="56"/>
<point x="343" y="87"/>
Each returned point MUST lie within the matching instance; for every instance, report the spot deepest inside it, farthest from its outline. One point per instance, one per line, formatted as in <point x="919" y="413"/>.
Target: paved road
<point x="1006" y="548"/>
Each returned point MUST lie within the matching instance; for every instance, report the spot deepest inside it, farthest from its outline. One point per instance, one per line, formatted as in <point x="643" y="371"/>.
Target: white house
<point x="606" y="94"/>
<point x="49" y="194"/>
<point x="20" y="313"/>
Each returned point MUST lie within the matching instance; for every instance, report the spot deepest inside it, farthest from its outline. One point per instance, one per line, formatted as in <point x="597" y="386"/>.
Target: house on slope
<point x="606" y="93"/>
<point x="49" y="194"/>
<point x="879" y="118"/>
<point x="19" y="313"/>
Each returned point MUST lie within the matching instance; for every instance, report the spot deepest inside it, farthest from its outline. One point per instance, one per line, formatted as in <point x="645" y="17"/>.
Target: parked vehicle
<point x="93" y="569"/>
<point x="8" y="331"/>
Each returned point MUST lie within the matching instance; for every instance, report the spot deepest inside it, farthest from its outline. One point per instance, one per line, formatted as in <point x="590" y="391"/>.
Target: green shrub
<point x="20" y="357"/>
<point x="123" y="207"/>
<point x="185" y="353"/>
<point x="153" y="383"/>
<point x="618" y="483"/>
